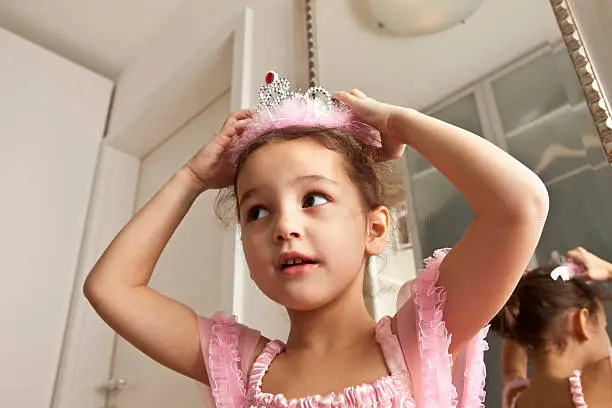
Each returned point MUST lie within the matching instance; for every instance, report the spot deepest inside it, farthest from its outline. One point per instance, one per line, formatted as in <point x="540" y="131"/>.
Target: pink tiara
<point x="280" y="108"/>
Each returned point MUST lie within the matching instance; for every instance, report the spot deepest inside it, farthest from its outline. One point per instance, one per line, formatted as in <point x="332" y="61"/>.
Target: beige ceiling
<point x="419" y="71"/>
<point x="102" y="35"/>
<point x="105" y="35"/>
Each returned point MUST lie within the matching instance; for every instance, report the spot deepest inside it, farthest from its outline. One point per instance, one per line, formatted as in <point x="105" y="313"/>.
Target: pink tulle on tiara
<point x="312" y="109"/>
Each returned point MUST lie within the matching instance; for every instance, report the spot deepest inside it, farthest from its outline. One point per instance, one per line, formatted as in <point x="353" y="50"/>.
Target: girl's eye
<point x="314" y="200"/>
<point x="257" y="213"/>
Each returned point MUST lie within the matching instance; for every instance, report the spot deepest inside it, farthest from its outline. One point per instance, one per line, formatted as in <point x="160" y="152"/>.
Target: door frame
<point x="88" y="343"/>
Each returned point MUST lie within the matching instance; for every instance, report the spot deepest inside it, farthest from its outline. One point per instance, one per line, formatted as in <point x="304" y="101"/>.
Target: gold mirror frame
<point x="595" y="98"/>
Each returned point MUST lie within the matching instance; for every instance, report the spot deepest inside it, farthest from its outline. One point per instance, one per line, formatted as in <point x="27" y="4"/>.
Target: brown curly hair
<point x="368" y="174"/>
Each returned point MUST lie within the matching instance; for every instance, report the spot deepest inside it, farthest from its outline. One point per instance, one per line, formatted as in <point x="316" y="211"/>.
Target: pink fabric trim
<point x="434" y="341"/>
<point x="475" y="372"/>
<point x="260" y="367"/>
<point x="425" y="343"/>
<point x="227" y="349"/>
<point x="204" y="326"/>
<point x="576" y="390"/>
<point x="390" y="347"/>
<point x="511" y="386"/>
<point x="224" y="363"/>
<point x="246" y="348"/>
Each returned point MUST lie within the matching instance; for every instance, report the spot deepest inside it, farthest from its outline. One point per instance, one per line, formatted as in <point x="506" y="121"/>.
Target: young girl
<point x="304" y="169"/>
<point x="557" y="321"/>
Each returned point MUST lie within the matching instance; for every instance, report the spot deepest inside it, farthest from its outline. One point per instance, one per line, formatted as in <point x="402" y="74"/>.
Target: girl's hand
<point x="211" y="166"/>
<point x="596" y="269"/>
<point x="378" y="115"/>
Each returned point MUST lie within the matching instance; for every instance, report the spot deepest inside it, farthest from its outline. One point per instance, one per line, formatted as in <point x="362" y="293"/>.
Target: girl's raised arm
<point x="509" y="201"/>
<point x="162" y="328"/>
<point x="510" y="205"/>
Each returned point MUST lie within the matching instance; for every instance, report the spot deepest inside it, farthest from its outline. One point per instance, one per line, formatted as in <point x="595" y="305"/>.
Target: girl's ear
<point x="377" y="230"/>
<point x="581" y="324"/>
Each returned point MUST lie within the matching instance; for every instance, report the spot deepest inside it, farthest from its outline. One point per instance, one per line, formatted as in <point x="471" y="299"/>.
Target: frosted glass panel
<point x="442" y="213"/>
<point x="568" y="77"/>
<point x="548" y="127"/>
<point x="555" y="146"/>
<point x="565" y="151"/>
<point x="462" y="113"/>
<point x="529" y="92"/>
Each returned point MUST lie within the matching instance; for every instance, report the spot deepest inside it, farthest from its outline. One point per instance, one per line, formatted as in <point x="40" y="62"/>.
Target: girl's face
<point x="305" y="231"/>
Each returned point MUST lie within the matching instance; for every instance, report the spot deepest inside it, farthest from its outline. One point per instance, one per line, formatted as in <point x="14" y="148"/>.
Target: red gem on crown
<point x="270" y="77"/>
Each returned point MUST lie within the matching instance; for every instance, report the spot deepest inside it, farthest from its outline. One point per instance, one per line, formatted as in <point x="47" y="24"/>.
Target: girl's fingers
<point x="242" y="124"/>
<point x="349" y="97"/>
<point x="342" y="96"/>
<point x="575" y="254"/>
<point x="358" y="93"/>
<point x="238" y="127"/>
<point x="242" y="114"/>
<point x="235" y="129"/>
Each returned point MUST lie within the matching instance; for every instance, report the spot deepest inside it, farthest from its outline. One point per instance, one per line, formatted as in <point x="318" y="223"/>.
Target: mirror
<point x="504" y="73"/>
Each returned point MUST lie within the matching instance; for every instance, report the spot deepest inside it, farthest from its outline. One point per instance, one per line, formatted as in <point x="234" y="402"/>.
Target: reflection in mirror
<point x="505" y="74"/>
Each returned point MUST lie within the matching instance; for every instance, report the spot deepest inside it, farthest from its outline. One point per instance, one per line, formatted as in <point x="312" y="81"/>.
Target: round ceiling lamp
<point x="421" y="17"/>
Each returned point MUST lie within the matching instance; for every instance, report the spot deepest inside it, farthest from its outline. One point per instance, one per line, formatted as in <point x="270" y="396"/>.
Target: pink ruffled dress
<point x="418" y="359"/>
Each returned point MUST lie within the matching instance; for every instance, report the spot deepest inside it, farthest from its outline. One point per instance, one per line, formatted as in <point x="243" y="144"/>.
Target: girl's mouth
<point x="297" y="267"/>
<point x="294" y="263"/>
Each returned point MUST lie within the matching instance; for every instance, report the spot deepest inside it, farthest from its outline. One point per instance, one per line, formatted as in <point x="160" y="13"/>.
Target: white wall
<point x="52" y="117"/>
<point x="419" y="71"/>
<point x="387" y="274"/>
<point x="203" y="29"/>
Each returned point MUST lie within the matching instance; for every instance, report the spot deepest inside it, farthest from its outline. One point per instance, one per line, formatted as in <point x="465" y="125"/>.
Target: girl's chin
<point x="302" y="302"/>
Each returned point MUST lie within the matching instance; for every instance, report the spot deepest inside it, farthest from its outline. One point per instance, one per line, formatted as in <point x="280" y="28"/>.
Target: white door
<point x="189" y="269"/>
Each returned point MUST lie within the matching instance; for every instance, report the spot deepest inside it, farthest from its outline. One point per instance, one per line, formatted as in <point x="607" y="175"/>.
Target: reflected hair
<point x="534" y="315"/>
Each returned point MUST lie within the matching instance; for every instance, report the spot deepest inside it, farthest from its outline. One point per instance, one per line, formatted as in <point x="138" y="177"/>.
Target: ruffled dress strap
<point x="576" y="389"/>
<point x="425" y="343"/>
<point x="390" y="346"/>
<point x="261" y="365"/>
<point x="473" y="395"/>
<point x="509" y="396"/>
<point x="227" y="348"/>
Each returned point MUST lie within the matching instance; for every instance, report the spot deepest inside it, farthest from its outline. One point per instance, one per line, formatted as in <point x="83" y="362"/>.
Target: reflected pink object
<point x="575" y="269"/>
